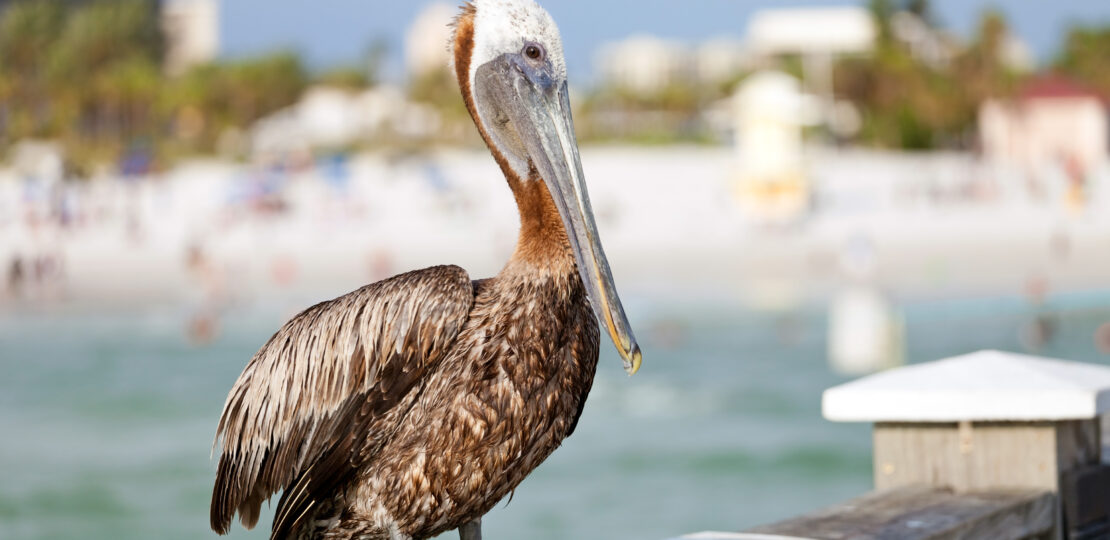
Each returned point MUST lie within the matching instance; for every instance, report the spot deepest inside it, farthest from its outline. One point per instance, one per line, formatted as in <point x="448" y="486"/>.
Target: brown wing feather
<point x="365" y="426"/>
<point x="336" y="358"/>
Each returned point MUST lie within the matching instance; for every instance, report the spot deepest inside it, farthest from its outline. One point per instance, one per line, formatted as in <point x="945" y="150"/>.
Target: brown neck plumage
<point x="543" y="242"/>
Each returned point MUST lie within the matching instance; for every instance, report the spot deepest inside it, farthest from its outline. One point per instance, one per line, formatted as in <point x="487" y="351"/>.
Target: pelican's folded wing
<point x="360" y="352"/>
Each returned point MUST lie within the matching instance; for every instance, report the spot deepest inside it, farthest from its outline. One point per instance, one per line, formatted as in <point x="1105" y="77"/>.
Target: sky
<point x="335" y="32"/>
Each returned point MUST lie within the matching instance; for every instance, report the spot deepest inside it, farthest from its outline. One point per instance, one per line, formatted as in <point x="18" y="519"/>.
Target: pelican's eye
<point x="533" y="51"/>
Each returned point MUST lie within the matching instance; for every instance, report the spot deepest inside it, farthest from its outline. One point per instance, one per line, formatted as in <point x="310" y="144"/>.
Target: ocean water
<point x="106" y="419"/>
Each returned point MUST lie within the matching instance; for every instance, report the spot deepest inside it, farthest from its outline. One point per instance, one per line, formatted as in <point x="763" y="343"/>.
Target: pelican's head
<point x="510" y="66"/>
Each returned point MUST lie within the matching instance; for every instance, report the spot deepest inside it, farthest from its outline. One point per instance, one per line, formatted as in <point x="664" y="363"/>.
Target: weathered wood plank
<point x="1078" y="444"/>
<point x="966" y="457"/>
<point x="919" y="513"/>
<point x="978" y="456"/>
<point x="1085" y="493"/>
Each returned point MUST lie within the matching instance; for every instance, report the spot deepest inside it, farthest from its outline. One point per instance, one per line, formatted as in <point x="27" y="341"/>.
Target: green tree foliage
<point x="86" y="73"/>
<point x="909" y="104"/>
<point x="1086" y="57"/>
<point x="27" y="29"/>
<point x="211" y="98"/>
<point x="440" y="89"/>
<point x="104" y="74"/>
<point x="344" y="77"/>
<point x="102" y="33"/>
<point x="89" y="73"/>
<point x="980" y="68"/>
<point x="881" y="13"/>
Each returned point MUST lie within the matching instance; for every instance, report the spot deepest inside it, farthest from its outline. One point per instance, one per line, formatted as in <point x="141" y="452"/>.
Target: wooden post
<point x="987" y="421"/>
<point x="975" y="456"/>
<point x="987" y="445"/>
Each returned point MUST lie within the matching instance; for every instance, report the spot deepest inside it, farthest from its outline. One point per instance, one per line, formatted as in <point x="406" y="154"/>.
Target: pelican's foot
<point x="472" y="530"/>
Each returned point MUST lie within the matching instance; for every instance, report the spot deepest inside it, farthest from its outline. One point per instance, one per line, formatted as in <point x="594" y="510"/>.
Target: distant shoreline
<point x="212" y="232"/>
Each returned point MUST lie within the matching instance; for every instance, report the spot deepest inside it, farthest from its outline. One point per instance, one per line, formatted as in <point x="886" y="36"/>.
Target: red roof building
<point x="1056" y="87"/>
<point x="1054" y="122"/>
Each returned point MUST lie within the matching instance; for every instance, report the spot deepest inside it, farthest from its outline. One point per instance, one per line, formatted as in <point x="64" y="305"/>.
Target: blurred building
<point x="1053" y="122"/>
<point x="835" y="30"/>
<point x="192" y="29"/>
<point x="38" y="160"/>
<point x="818" y="35"/>
<point x="644" y="64"/>
<point x="330" y="118"/>
<point x="427" y="40"/>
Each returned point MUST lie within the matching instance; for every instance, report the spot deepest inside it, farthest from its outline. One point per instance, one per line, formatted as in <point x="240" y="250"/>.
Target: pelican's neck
<point x="543" y="246"/>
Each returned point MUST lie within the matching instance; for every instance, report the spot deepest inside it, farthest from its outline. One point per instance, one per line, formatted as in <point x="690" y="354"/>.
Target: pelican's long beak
<point x="542" y="116"/>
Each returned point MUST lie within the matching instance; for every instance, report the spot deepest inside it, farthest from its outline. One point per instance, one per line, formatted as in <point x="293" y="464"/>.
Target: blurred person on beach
<point x="16" y="277"/>
<point x="210" y="295"/>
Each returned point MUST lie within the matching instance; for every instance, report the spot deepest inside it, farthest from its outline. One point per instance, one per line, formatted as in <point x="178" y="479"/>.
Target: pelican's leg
<point x="472" y="530"/>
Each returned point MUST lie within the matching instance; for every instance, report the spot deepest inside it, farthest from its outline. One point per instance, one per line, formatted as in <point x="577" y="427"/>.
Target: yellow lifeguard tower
<point x="770" y="181"/>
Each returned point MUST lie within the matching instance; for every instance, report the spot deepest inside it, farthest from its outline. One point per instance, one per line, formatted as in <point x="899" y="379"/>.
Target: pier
<point x="986" y="445"/>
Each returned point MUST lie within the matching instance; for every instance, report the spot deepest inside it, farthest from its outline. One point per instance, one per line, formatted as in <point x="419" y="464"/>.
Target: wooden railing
<point x="991" y="445"/>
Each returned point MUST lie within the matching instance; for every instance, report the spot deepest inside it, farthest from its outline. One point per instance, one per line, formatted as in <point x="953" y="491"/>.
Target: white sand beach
<point x="920" y="225"/>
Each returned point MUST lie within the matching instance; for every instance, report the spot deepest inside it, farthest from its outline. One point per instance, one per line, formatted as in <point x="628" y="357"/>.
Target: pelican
<point x="413" y="405"/>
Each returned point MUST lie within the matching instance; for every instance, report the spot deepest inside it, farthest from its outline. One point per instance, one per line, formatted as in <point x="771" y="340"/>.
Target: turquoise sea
<point x="106" y="418"/>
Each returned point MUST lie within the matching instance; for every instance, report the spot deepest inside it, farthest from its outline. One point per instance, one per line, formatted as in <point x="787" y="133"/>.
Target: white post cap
<point x="982" y="386"/>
